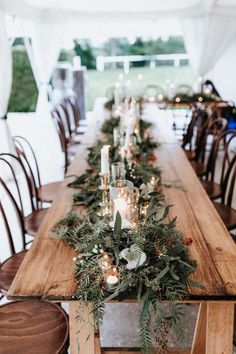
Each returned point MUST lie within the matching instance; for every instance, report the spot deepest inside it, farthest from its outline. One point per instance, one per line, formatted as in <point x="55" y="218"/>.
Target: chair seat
<point x="47" y="192"/>
<point x="190" y="154"/>
<point x="213" y="189"/>
<point x="34" y="220"/>
<point x="8" y="270"/>
<point x="198" y="167"/>
<point x="33" y="328"/>
<point x="227" y="214"/>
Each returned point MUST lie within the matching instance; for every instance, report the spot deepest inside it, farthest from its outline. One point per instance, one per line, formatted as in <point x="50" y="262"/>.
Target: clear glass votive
<point x="106" y="209"/>
<point x="136" y="196"/>
<point x="143" y="209"/>
<point x="118" y="171"/>
<point x="111" y="279"/>
<point x="121" y="196"/>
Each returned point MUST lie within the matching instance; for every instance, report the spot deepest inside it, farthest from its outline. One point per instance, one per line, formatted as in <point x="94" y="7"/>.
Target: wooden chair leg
<point x="219" y="332"/>
<point x="199" y="339"/>
<point x="82" y="337"/>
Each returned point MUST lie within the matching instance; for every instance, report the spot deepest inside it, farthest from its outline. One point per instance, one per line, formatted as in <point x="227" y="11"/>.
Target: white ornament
<point x="134" y="256"/>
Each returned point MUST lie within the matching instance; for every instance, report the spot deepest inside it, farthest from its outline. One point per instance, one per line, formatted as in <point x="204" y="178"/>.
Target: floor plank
<point x="126" y="351"/>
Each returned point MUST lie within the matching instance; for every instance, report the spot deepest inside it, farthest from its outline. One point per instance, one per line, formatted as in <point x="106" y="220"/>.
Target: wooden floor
<point x="126" y="351"/>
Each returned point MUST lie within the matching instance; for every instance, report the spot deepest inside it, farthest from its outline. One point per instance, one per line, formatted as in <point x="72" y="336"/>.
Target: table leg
<point x="199" y="339"/>
<point x="219" y="331"/>
<point x="82" y="336"/>
<point x="214" y="329"/>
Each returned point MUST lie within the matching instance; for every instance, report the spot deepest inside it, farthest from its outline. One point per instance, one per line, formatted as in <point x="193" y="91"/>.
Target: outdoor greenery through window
<point x="24" y="89"/>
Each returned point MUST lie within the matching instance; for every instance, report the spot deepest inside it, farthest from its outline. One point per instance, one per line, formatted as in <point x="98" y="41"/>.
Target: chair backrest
<point x="21" y="183"/>
<point x="188" y="136"/>
<point x="223" y="159"/>
<point x="62" y="136"/>
<point x="154" y="93"/>
<point x="184" y="89"/>
<point x="69" y="111"/>
<point x="202" y="122"/>
<point x="65" y="119"/>
<point x="213" y="129"/>
<point x="72" y="102"/>
<point x="28" y="158"/>
<point x="229" y="183"/>
<point x="4" y="209"/>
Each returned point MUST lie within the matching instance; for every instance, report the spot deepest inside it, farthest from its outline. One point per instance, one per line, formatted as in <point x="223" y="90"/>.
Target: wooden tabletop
<point x="47" y="270"/>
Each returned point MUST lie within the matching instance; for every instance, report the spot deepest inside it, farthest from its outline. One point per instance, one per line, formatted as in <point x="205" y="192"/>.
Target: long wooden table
<point x="47" y="271"/>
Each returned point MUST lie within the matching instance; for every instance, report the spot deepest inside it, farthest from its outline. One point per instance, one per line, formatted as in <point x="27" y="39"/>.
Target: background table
<point x="47" y="270"/>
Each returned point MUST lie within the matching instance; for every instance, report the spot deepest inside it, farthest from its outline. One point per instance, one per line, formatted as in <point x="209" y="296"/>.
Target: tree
<point x="84" y="49"/>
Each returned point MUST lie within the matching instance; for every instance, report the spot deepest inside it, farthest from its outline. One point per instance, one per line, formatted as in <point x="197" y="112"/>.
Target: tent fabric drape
<point x="43" y="50"/>
<point x="206" y="38"/>
<point x="47" y="41"/>
<point x="6" y="144"/>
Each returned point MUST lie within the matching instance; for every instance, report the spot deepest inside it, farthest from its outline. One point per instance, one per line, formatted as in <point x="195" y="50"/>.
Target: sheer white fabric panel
<point x="43" y="52"/>
<point x="46" y="45"/>
<point x="207" y="38"/>
<point x="6" y="144"/>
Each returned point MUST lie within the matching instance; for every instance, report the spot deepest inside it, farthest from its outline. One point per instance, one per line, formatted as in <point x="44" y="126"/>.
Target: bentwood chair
<point x="154" y="93"/>
<point x="187" y="140"/>
<point x="44" y="193"/>
<point x="224" y="208"/>
<point x="33" y="327"/>
<point x="192" y="144"/>
<point x="10" y="266"/>
<point x="219" y="160"/>
<point x="23" y="191"/>
<point x="75" y="116"/>
<point x="72" y="136"/>
<point x="62" y="138"/>
<point x="25" y="327"/>
<point x="213" y="130"/>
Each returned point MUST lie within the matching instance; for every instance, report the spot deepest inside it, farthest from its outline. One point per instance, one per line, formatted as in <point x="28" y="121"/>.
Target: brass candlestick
<point x="104" y="187"/>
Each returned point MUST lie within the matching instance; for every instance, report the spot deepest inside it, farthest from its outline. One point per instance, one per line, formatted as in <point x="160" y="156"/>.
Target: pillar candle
<point x="105" y="168"/>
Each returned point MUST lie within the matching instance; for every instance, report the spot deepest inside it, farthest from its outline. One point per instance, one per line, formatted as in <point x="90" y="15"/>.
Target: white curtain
<point x="207" y="38"/>
<point x="47" y="42"/>
<point x="6" y="144"/>
<point x="43" y="51"/>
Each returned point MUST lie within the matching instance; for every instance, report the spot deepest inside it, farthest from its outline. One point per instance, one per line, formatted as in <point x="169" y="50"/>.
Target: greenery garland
<point x="152" y="260"/>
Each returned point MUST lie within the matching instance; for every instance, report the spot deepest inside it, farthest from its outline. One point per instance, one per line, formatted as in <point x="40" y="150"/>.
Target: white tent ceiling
<point x="107" y="10"/>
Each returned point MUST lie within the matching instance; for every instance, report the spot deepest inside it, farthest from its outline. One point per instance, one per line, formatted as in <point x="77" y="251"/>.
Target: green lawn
<point x="97" y="83"/>
<point x="24" y="90"/>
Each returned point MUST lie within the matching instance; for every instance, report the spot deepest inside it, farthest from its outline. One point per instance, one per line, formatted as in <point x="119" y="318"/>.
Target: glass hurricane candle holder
<point x="121" y="194"/>
<point x="118" y="171"/>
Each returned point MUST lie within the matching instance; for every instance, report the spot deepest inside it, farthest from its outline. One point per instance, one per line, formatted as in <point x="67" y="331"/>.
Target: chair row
<point x="67" y="121"/>
<point x="23" y="194"/>
<point x="211" y="149"/>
